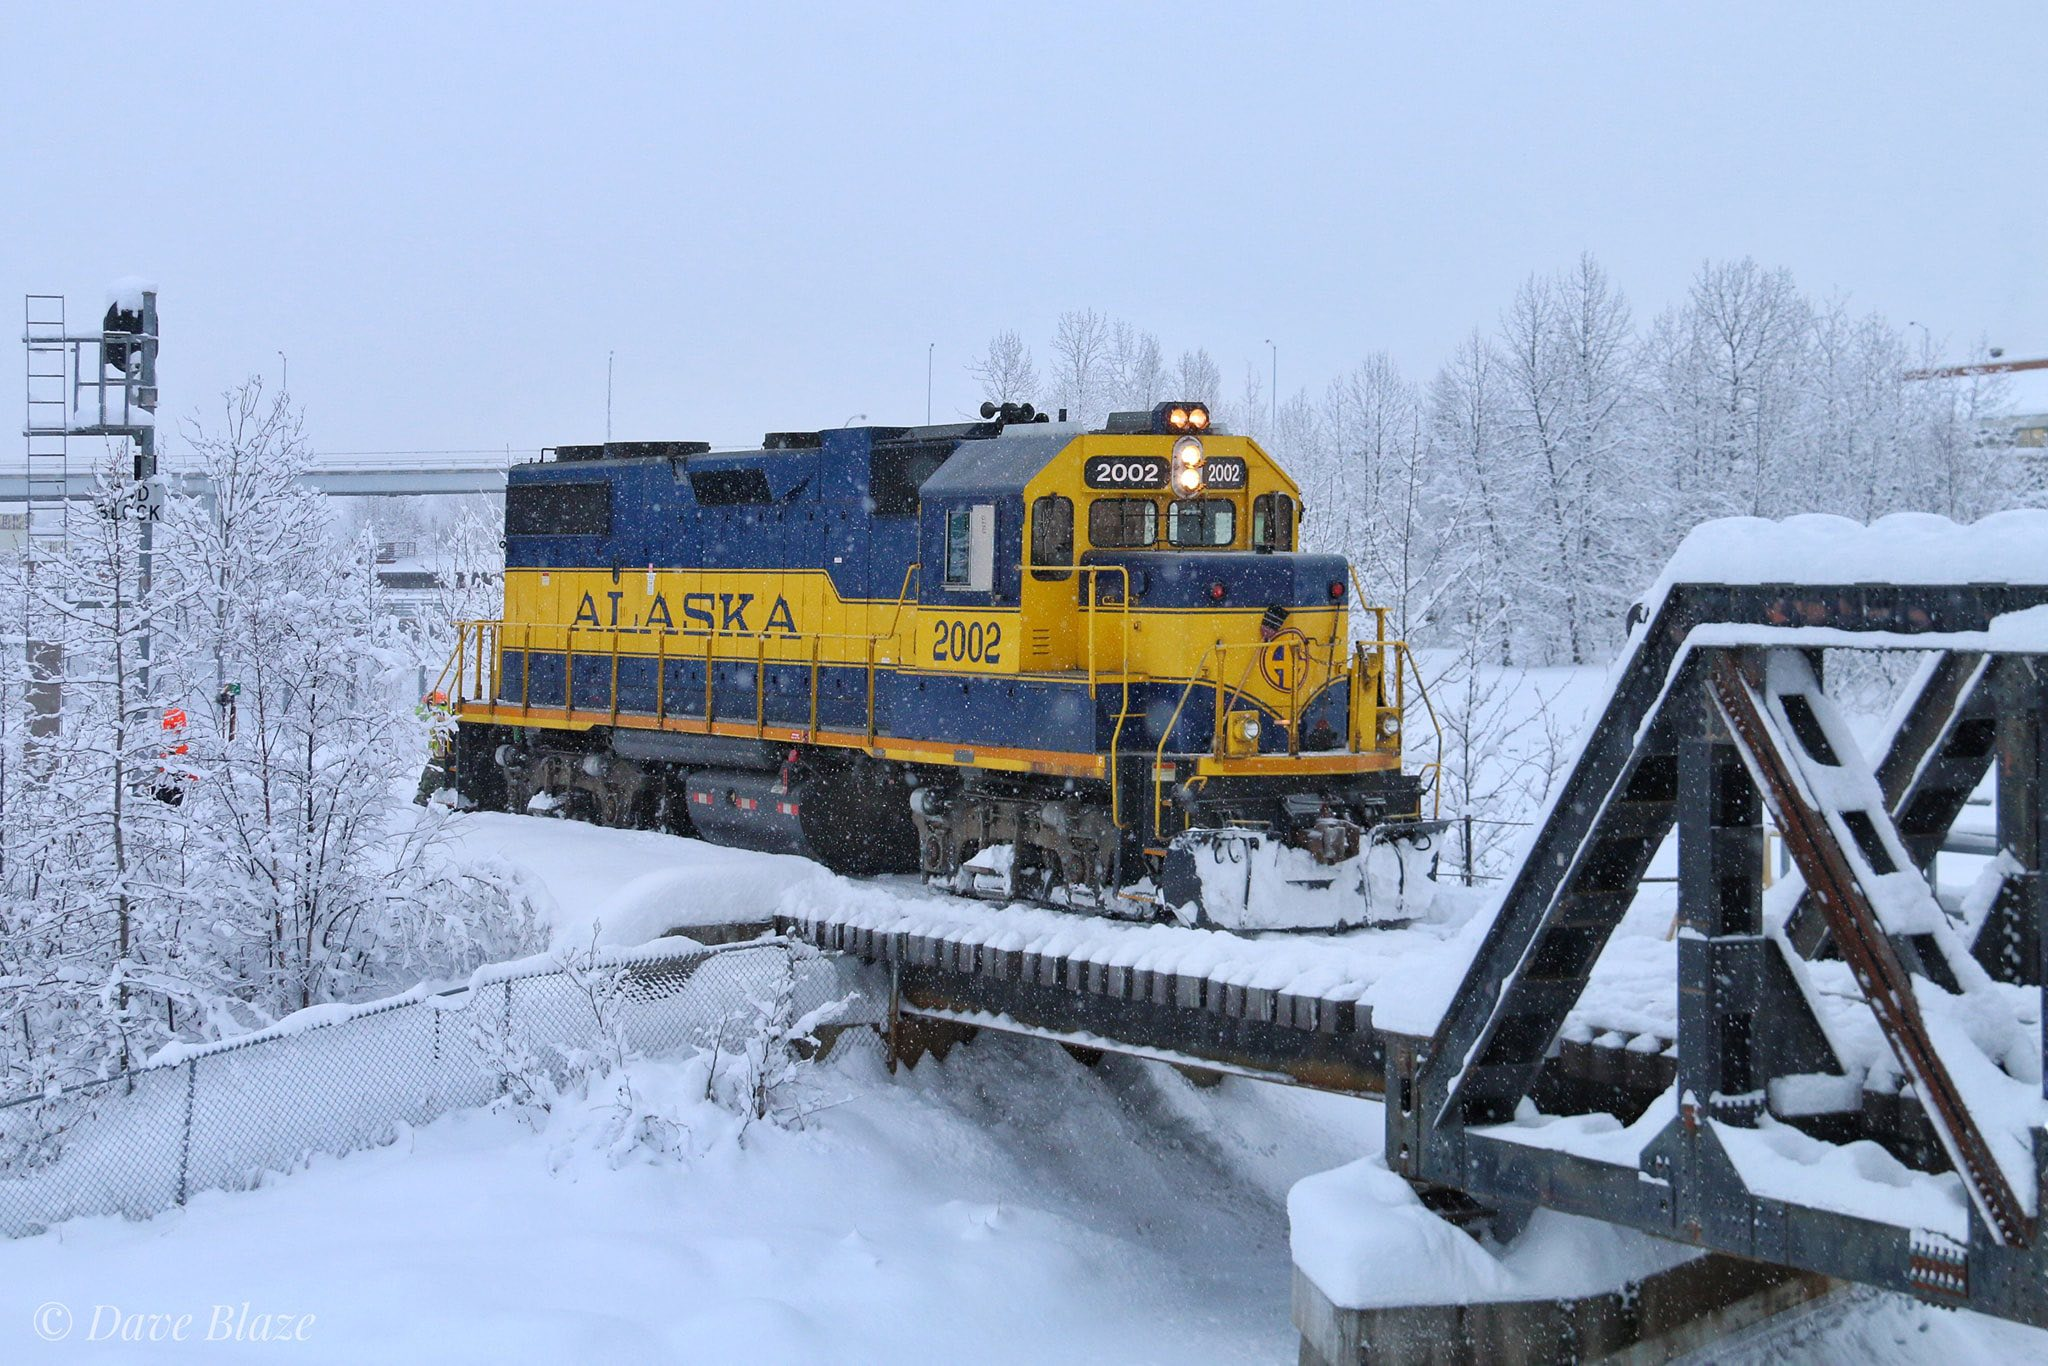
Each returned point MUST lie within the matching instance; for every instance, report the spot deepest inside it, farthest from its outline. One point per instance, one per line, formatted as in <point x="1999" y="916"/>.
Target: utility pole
<point x="930" y="348"/>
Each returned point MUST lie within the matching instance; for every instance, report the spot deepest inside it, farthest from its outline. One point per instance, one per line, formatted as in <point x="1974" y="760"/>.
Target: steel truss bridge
<point x="1719" y="728"/>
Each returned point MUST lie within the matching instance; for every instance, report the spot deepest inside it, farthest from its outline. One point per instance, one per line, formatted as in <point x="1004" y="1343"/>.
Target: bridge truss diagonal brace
<point x="1934" y="758"/>
<point x="1839" y="844"/>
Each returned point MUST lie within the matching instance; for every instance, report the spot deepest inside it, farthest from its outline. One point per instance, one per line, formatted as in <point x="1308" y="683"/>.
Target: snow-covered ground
<point x="1008" y="1204"/>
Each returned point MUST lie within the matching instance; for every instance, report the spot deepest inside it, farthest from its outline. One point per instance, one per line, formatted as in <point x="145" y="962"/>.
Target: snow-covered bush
<point x="763" y="1074"/>
<point x="606" y="1094"/>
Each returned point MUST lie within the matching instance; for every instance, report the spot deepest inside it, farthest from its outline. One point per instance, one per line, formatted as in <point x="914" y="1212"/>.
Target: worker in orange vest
<point x="439" y="772"/>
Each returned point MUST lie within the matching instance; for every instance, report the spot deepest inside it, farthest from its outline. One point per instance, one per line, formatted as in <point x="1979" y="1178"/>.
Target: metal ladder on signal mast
<point x="48" y="425"/>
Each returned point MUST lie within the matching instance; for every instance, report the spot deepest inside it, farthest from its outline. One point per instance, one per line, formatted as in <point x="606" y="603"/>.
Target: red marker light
<point x="1336" y="590"/>
<point x="1216" y="592"/>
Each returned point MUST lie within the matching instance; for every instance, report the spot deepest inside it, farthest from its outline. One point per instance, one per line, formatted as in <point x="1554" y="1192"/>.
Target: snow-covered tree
<point x="468" y="561"/>
<point x="88" y="935"/>
<point x="325" y="882"/>
<point x="1081" y="365"/>
<point x="1197" y="378"/>
<point x="1005" y="370"/>
<point x="1137" y="369"/>
<point x="207" y="836"/>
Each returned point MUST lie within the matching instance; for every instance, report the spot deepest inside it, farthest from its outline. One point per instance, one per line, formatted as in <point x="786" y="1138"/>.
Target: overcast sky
<point x="446" y="217"/>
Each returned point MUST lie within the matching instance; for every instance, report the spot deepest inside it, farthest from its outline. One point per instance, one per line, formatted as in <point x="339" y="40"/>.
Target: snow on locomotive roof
<point x="1906" y="547"/>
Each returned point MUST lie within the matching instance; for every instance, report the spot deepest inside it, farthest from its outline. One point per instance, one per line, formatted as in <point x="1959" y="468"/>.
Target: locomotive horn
<point x="988" y="408"/>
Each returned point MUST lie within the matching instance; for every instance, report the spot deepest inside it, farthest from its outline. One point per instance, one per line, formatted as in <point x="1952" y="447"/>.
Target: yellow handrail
<point x="1436" y="766"/>
<point x="902" y="596"/>
<point x="1159" y="755"/>
<point x="1123" y="706"/>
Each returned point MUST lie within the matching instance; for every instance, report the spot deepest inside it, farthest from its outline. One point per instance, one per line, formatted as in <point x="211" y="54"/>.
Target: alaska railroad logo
<point x="1281" y="660"/>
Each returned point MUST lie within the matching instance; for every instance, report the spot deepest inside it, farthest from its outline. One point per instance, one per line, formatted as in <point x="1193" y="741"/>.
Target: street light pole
<point x="1274" y="400"/>
<point x="930" y="347"/>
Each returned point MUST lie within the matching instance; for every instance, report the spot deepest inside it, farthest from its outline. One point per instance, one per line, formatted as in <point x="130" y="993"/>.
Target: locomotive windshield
<point x="1210" y="524"/>
<point x="1123" y="523"/>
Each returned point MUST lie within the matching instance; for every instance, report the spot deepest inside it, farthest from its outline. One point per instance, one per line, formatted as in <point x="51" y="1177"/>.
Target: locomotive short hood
<point x="1002" y="464"/>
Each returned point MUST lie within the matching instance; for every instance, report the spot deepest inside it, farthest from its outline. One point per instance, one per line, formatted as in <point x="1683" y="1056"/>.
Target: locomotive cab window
<point x="1272" y="522"/>
<point x="1209" y="524"/>
<point x="1123" y="523"/>
<point x="1052" y="535"/>
<point x="971" y="547"/>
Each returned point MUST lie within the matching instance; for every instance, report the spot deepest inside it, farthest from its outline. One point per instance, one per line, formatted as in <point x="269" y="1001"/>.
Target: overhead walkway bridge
<point x="339" y="477"/>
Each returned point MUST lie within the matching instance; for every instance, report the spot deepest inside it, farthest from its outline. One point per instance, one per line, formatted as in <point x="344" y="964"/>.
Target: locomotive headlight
<point x="1177" y="418"/>
<point x="1248" y="729"/>
<point x="1198" y="417"/>
<point x="1189" y="476"/>
<point x="1390" y="724"/>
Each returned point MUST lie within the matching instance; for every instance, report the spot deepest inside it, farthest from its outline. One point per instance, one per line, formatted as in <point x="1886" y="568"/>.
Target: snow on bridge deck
<point x="1300" y="1007"/>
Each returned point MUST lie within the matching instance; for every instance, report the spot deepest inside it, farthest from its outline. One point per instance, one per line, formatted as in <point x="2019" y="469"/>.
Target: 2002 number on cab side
<point x="967" y="642"/>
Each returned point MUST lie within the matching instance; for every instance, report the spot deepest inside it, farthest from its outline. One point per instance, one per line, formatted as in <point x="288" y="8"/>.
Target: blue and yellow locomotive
<point x="1025" y="659"/>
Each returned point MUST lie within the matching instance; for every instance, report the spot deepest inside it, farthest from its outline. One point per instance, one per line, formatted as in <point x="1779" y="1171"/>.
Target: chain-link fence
<point x="221" y="1116"/>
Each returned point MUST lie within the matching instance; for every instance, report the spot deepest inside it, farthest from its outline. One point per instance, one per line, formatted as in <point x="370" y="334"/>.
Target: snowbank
<point x="1361" y="1234"/>
<point x="629" y="886"/>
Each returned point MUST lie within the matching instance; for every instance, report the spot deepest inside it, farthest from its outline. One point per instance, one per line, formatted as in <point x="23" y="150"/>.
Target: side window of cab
<point x="1273" y="519"/>
<point x="1052" y="537"/>
<point x="971" y="547"/>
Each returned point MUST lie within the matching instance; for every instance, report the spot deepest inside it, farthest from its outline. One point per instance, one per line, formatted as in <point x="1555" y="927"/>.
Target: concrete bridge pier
<point x="1657" y="1318"/>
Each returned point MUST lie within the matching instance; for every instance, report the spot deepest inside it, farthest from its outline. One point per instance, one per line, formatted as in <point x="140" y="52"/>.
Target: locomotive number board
<point x="1124" y="472"/>
<point x="1225" y="472"/>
